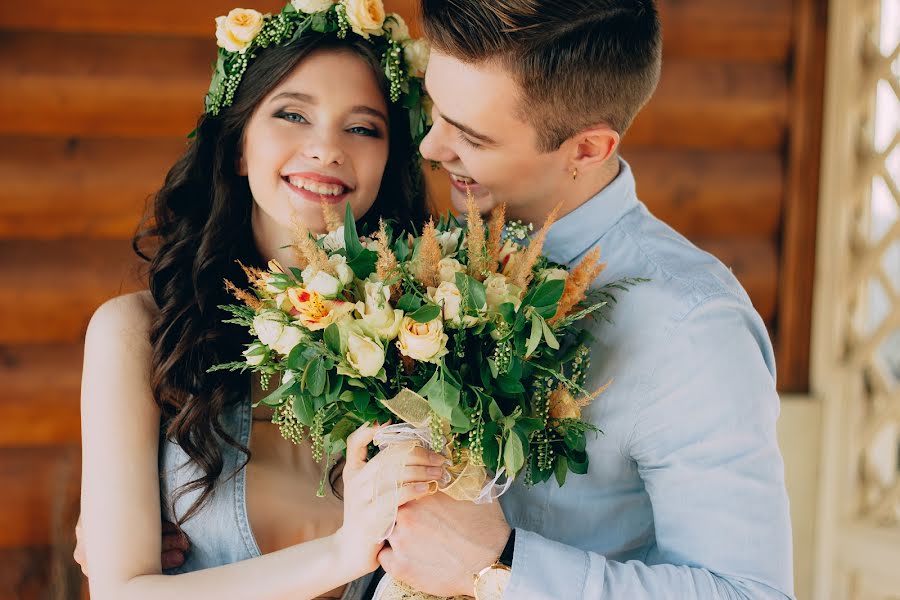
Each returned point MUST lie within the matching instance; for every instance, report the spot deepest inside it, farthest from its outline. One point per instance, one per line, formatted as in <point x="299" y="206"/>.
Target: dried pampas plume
<point x="495" y="236"/>
<point x="387" y="261"/>
<point x="578" y="282"/>
<point x="429" y="256"/>
<point x="475" y="242"/>
<point x="521" y="273"/>
<point x="255" y="276"/>
<point x="243" y="295"/>
<point x="333" y="220"/>
<point x="307" y="251"/>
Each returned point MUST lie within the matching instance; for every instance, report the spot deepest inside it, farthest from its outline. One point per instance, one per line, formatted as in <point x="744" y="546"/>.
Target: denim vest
<point x="220" y="532"/>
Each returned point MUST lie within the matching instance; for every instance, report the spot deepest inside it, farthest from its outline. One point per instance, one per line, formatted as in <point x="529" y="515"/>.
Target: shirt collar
<point x="572" y="235"/>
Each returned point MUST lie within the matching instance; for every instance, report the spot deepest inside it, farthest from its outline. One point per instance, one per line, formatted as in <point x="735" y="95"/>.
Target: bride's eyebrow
<point x="368" y="110"/>
<point x="361" y="109"/>
<point x="295" y="96"/>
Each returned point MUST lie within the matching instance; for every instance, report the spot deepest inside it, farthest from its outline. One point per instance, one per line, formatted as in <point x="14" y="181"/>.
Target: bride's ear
<point x="240" y="165"/>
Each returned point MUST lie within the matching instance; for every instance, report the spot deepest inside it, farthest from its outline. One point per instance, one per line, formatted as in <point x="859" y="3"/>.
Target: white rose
<point x="553" y="274"/>
<point x="327" y="285"/>
<point x="237" y="30"/>
<point x="378" y="318"/>
<point x="364" y="355"/>
<point x="312" y="6"/>
<point x="268" y="329"/>
<point x="448" y="297"/>
<point x="500" y="291"/>
<point x="255" y="354"/>
<point x="366" y="17"/>
<point x="449" y="241"/>
<point x="343" y="270"/>
<point x="426" y="342"/>
<point x="448" y="268"/>
<point x="290" y="337"/>
<point x="369" y="243"/>
<point x="396" y="26"/>
<point x="416" y="53"/>
<point x="333" y="240"/>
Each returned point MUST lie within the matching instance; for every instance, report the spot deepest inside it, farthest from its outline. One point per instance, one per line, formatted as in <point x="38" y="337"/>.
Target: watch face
<point x="491" y="583"/>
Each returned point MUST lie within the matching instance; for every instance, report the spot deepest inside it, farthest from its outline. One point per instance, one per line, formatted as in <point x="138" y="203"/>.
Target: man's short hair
<point x="578" y="63"/>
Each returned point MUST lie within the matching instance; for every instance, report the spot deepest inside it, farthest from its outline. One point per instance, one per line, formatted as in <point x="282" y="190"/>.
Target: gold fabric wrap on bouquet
<point x="463" y="480"/>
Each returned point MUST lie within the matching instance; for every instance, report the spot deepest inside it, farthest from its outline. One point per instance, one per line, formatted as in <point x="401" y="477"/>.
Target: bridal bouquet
<point x="466" y="336"/>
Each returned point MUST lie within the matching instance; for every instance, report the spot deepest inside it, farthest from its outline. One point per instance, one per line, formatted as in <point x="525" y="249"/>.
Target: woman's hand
<point x="373" y="489"/>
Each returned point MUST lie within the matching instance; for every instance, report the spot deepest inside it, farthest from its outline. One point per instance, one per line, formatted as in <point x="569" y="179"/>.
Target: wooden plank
<point x="737" y="30"/>
<point x="41" y="572"/>
<point x="40" y="495"/>
<point x="49" y="290"/>
<point x="56" y="188"/>
<point x="715" y="106"/>
<point x="117" y="86"/>
<point x="39" y="401"/>
<point x="711" y="194"/>
<point x="755" y="264"/>
<point x="802" y="198"/>
<point x="104" y="184"/>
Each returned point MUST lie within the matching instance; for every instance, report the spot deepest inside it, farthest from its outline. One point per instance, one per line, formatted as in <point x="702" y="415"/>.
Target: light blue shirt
<point x="685" y="495"/>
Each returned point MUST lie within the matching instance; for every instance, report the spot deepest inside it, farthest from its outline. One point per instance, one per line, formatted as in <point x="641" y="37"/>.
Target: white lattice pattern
<point x="873" y="331"/>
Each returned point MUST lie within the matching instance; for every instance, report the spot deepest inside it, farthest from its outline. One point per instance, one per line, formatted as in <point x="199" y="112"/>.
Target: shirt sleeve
<point x="705" y="446"/>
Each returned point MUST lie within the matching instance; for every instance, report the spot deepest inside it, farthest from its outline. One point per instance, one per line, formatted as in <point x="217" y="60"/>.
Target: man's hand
<point x="174" y="545"/>
<point x="439" y="543"/>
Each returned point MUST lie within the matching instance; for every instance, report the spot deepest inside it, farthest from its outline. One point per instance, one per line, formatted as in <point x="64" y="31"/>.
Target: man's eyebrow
<point x="469" y="131"/>
<point x="359" y="109"/>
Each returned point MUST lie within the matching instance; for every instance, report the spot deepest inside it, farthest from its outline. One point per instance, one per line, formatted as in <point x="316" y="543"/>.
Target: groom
<point x="685" y="495"/>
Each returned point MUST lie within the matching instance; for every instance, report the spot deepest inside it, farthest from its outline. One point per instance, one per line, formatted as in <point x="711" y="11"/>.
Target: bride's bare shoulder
<point x="130" y="314"/>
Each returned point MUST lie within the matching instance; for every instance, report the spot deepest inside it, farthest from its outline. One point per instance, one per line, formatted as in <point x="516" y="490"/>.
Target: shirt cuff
<point x="545" y="570"/>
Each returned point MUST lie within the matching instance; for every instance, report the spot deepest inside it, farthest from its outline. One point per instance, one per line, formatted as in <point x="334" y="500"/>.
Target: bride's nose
<point x="325" y="149"/>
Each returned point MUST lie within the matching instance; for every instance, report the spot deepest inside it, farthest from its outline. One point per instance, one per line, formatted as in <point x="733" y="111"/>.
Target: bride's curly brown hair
<point x="196" y="229"/>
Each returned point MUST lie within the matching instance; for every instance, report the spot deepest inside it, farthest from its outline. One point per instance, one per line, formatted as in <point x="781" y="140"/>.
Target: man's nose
<point x="435" y="145"/>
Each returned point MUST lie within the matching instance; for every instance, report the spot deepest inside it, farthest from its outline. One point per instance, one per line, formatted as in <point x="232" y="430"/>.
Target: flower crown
<point x="243" y="31"/>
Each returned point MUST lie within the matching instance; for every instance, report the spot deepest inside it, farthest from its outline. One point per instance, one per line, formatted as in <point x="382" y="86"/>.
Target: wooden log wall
<point x="96" y="98"/>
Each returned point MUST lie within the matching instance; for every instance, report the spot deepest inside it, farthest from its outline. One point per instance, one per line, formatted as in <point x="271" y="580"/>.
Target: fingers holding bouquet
<point x="375" y="487"/>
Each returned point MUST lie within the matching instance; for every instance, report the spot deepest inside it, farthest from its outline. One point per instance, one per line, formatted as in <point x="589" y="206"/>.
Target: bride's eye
<point x="290" y="117"/>
<point x="366" y="131"/>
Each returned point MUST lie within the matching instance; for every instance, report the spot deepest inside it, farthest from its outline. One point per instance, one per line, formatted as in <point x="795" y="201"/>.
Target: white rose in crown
<point x="448" y="268"/>
<point x="378" y="317"/>
<point x="311" y="6"/>
<point x="364" y="355"/>
<point x="425" y="342"/>
<point x="396" y="27"/>
<point x="416" y="53"/>
<point x="366" y="17"/>
<point x="237" y="30"/>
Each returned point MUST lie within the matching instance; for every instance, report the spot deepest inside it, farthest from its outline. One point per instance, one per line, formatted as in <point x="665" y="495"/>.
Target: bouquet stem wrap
<point x="465" y="480"/>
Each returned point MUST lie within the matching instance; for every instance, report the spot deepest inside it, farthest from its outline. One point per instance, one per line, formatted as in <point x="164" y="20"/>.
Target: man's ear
<point x="593" y="147"/>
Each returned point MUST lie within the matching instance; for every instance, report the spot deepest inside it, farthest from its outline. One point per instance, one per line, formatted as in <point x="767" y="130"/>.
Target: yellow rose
<point x="553" y="274"/>
<point x="500" y="291"/>
<point x="426" y="342"/>
<point x="364" y="355"/>
<point x="366" y="17"/>
<point x="509" y="254"/>
<point x="235" y="31"/>
<point x="448" y="268"/>
<point x="311" y="6"/>
<point x="416" y="53"/>
<point x="313" y="311"/>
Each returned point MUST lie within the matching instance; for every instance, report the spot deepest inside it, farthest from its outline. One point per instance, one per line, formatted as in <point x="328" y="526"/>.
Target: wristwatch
<point x="492" y="580"/>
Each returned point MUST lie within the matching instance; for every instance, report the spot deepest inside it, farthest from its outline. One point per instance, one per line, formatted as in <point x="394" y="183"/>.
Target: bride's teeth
<point x="324" y="189"/>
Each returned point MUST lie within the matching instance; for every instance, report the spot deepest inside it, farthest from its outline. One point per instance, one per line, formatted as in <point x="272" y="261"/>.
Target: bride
<point x="306" y="120"/>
